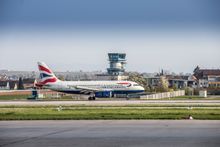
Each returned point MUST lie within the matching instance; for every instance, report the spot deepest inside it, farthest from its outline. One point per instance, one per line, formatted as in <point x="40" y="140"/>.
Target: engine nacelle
<point x="104" y="94"/>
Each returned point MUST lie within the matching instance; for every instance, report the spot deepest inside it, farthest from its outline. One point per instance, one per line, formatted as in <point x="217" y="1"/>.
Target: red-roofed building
<point x="207" y="78"/>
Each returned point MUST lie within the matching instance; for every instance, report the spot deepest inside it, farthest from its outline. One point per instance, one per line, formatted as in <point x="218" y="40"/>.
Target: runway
<point x="112" y="102"/>
<point x="108" y="133"/>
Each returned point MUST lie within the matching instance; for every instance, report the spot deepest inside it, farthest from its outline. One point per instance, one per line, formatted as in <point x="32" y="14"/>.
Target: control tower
<point x="117" y="63"/>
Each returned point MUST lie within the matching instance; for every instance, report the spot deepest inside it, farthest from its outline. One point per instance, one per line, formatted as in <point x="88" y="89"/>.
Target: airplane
<point x="96" y="89"/>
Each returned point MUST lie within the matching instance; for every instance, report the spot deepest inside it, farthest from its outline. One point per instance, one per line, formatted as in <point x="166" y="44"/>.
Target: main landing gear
<point x="91" y="98"/>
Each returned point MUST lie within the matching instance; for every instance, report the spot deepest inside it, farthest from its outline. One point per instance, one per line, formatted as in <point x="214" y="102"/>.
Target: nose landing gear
<point x="91" y="98"/>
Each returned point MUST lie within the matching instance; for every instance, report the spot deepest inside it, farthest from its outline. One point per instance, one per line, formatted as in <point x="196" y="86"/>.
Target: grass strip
<point x="82" y="113"/>
<point x="14" y="97"/>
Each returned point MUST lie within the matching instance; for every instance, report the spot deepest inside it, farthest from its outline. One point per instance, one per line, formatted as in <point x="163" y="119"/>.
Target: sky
<point x="73" y="35"/>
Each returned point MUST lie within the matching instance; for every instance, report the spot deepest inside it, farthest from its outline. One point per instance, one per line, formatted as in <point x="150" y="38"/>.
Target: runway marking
<point x="115" y="102"/>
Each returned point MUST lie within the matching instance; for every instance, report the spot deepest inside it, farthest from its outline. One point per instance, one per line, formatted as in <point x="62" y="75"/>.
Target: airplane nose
<point x="142" y="88"/>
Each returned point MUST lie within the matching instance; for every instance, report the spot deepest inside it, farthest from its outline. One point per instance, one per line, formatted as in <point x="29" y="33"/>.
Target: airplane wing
<point x="88" y="90"/>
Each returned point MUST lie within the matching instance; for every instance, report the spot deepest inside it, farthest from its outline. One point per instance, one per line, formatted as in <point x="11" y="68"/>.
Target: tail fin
<point x="46" y="75"/>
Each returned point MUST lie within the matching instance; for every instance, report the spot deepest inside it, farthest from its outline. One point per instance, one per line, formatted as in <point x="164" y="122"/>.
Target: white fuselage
<point x="122" y="87"/>
<point x="97" y="88"/>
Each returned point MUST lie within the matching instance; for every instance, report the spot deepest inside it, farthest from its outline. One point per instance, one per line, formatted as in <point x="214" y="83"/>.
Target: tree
<point x="189" y="91"/>
<point x="20" y="84"/>
<point x="139" y="78"/>
<point x="162" y="85"/>
<point x="61" y="77"/>
<point x="174" y="87"/>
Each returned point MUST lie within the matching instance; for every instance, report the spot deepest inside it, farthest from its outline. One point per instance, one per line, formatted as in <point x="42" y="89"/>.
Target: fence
<point x="164" y="95"/>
